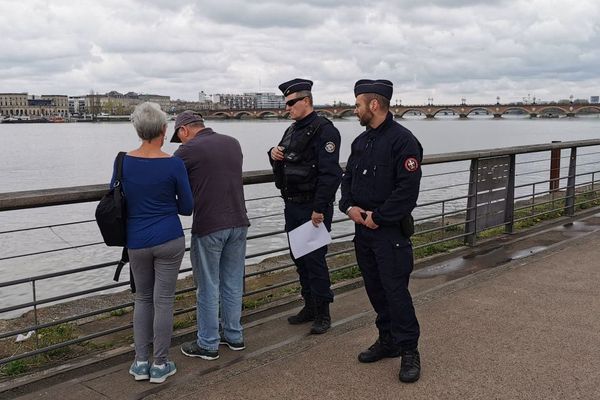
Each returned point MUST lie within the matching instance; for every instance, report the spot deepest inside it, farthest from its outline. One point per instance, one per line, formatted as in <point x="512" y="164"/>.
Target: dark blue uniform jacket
<point x="383" y="173"/>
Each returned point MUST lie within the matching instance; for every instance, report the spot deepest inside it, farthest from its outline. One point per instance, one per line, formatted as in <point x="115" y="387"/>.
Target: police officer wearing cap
<point x="379" y="191"/>
<point x="307" y="171"/>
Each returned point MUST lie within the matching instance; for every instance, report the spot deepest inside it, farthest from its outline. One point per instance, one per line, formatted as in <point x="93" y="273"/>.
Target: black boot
<point x="410" y="366"/>
<point x="382" y="348"/>
<point x="306" y="314"/>
<point x="322" y="319"/>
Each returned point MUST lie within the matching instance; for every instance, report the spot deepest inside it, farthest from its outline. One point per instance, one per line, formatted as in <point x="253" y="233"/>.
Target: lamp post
<point x="571" y="99"/>
<point x="463" y="101"/>
<point x="498" y="100"/>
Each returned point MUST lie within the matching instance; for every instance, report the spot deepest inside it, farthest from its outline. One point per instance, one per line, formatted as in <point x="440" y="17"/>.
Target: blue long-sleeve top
<point x="156" y="191"/>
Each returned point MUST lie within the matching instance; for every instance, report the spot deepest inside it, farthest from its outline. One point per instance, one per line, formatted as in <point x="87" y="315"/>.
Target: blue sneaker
<point x="159" y="374"/>
<point x="140" y="370"/>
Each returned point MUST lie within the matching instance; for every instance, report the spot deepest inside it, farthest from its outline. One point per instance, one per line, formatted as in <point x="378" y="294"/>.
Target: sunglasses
<point x="290" y="103"/>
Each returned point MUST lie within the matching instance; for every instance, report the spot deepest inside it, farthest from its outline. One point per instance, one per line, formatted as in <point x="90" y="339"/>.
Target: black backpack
<point x="111" y="216"/>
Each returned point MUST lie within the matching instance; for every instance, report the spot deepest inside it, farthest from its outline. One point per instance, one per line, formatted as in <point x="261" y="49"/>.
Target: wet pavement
<point x="515" y="318"/>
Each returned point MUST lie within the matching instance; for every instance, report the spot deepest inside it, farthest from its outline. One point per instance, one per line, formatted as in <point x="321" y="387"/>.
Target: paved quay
<point x="521" y="329"/>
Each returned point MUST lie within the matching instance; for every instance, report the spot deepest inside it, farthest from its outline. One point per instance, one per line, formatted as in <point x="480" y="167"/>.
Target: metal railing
<point x="463" y="195"/>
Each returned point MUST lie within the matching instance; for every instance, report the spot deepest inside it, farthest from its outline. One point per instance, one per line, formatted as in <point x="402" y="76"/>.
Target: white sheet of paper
<point x="307" y="238"/>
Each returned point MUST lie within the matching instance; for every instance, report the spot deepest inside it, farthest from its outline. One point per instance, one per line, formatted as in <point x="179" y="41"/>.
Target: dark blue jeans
<point x="385" y="258"/>
<point x="312" y="267"/>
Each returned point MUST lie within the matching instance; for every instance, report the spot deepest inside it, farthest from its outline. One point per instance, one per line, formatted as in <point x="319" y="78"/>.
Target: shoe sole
<point x="232" y="347"/>
<point x="300" y="323"/>
<point x="410" y="380"/>
<point x="163" y="378"/>
<point x="316" y="332"/>
<point x="138" y="377"/>
<point x="209" y="358"/>
<point x="377" y="359"/>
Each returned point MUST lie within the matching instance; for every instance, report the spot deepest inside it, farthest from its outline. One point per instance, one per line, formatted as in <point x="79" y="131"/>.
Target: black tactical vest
<point x="297" y="173"/>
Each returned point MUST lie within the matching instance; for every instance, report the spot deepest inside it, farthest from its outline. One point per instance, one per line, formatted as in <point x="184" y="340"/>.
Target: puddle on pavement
<point x="486" y="258"/>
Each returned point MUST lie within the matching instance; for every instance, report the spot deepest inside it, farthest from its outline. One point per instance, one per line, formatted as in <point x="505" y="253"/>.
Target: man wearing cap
<point x="220" y="224"/>
<point x="379" y="191"/>
<point x="307" y="171"/>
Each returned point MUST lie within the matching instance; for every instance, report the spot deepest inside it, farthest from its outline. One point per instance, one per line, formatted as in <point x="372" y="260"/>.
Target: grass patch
<point x="14" y="368"/>
<point x="121" y="311"/>
<point x="345" y="274"/>
<point x="184" y="321"/>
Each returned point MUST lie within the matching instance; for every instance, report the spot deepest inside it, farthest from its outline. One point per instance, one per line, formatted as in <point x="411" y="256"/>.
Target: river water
<point x="41" y="156"/>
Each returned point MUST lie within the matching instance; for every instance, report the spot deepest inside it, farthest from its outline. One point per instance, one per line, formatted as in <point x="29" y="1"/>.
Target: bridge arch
<point x="221" y="114"/>
<point x="348" y="112"/>
<point x="241" y="114"/>
<point x="552" y="111"/>
<point x="590" y="107"/>
<point x="268" y="114"/>
<point x="446" y="110"/>
<point x="516" y="108"/>
<point x="475" y="110"/>
<point x="325" y="113"/>
<point x="416" y="111"/>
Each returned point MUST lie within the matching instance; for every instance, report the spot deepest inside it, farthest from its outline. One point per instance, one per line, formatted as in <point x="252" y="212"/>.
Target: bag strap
<point x="120" y="158"/>
<point x="124" y="254"/>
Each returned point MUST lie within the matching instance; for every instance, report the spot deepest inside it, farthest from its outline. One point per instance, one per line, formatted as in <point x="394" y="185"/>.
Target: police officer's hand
<point x="317" y="218"/>
<point x="356" y="215"/>
<point x="277" y="153"/>
<point x="369" y="221"/>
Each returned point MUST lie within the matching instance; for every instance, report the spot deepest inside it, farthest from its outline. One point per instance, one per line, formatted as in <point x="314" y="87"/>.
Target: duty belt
<point x="299" y="198"/>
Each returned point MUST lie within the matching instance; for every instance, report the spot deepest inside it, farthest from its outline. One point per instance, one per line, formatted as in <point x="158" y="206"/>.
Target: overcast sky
<point x="443" y="49"/>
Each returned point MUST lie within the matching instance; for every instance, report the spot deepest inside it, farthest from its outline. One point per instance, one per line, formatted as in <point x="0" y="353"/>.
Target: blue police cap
<point x="382" y="87"/>
<point x="295" y="85"/>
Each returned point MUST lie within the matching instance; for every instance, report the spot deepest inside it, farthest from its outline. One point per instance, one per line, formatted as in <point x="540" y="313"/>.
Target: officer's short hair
<point x="383" y="101"/>
<point x="306" y="93"/>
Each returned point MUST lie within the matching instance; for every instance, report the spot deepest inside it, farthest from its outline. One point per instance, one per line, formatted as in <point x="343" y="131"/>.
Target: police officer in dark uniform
<point x="379" y="191"/>
<point x="307" y="171"/>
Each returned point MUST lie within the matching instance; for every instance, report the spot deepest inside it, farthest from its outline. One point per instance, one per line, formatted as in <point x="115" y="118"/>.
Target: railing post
<point x="471" y="217"/>
<point x="554" y="168"/>
<point x="35" y="316"/>
<point x="570" y="195"/>
<point x="509" y="211"/>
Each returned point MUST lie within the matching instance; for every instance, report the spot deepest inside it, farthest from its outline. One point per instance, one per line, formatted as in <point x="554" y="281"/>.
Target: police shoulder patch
<point x="411" y="164"/>
<point x="330" y="147"/>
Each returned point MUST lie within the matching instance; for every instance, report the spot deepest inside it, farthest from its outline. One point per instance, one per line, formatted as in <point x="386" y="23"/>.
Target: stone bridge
<point x="429" y="111"/>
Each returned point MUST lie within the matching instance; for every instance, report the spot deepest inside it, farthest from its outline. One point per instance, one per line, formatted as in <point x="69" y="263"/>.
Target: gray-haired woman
<point x="156" y="190"/>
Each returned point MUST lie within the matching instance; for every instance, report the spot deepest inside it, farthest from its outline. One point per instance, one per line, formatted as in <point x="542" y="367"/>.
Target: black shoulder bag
<point x="111" y="217"/>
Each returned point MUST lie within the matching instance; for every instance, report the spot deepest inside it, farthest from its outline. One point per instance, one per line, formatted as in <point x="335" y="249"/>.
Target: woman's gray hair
<point x="149" y="120"/>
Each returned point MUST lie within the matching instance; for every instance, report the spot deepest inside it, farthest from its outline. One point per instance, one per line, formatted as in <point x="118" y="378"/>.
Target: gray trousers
<point x="155" y="270"/>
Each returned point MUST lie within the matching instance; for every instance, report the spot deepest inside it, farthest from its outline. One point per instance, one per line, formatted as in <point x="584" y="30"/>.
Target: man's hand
<point x="277" y="153"/>
<point x="317" y="218"/>
<point x="355" y="215"/>
<point x="369" y="221"/>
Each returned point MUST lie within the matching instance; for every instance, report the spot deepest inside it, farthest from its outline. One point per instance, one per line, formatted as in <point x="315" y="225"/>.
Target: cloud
<point x="449" y="48"/>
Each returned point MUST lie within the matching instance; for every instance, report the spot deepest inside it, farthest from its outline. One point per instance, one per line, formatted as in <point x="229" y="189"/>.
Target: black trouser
<point x="312" y="267"/>
<point x="385" y="258"/>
